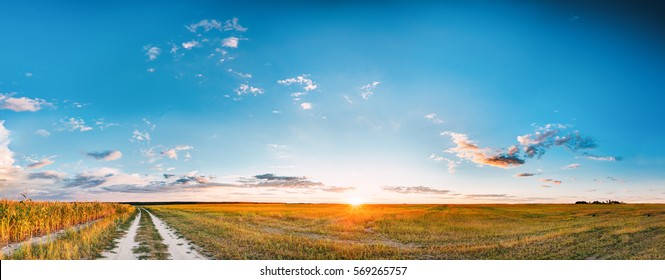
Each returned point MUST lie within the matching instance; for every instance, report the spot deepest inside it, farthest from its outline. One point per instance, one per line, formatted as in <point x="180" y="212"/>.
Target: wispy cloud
<point x="245" y="89"/>
<point x="40" y="163"/>
<point x="271" y="180"/>
<point x="173" y="152"/>
<point x="417" y="189"/>
<point x="306" y="106"/>
<point x="602" y="158"/>
<point x="232" y="24"/>
<point x="140" y="136"/>
<point x="452" y="165"/>
<point x="553" y="181"/>
<point x="206" y="25"/>
<point x="21" y="104"/>
<point x="42" y="133"/>
<point x="433" y="118"/>
<point x="242" y="75"/>
<point x="368" y="90"/>
<point x="73" y="124"/>
<point x="105" y="155"/>
<point x="337" y="189"/>
<point x="525" y="174"/>
<point x="152" y="52"/>
<point x="303" y="80"/>
<point x="572" y="166"/>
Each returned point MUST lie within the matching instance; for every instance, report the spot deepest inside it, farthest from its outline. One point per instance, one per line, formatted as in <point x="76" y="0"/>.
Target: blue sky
<point x="393" y="102"/>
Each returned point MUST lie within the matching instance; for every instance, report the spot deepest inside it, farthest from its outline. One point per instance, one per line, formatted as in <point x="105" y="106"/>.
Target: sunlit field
<point x="328" y="231"/>
<point x="86" y="228"/>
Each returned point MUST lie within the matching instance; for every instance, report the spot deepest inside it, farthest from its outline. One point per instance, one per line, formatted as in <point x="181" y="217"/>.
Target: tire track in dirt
<point x="126" y="244"/>
<point x="178" y="247"/>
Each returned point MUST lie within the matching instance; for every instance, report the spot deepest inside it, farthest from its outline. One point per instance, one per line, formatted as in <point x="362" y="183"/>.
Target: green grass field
<point x="313" y="231"/>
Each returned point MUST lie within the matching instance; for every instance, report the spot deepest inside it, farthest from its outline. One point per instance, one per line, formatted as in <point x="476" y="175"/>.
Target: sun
<point x="355" y="201"/>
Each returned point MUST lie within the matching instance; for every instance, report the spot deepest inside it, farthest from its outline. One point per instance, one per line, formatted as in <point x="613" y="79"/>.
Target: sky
<point x="333" y="101"/>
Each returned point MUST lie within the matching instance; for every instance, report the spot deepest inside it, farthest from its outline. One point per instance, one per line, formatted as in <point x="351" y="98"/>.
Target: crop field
<point x="81" y="230"/>
<point x="329" y="231"/>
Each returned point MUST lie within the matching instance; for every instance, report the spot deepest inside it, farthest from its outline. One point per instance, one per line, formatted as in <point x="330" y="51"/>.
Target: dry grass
<point x="281" y="231"/>
<point x="22" y="220"/>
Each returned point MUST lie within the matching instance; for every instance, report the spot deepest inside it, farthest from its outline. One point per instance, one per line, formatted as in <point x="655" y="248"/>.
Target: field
<point x="70" y="230"/>
<point x="327" y="231"/>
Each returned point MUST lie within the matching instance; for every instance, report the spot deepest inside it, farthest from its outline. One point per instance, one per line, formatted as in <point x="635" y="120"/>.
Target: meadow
<point x="329" y="231"/>
<point x="86" y="228"/>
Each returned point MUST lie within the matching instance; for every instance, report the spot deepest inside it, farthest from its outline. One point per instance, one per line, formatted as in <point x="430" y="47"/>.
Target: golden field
<point x="329" y="231"/>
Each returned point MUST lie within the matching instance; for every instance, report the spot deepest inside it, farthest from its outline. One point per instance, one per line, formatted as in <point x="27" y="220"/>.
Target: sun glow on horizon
<point x="355" y="201"/>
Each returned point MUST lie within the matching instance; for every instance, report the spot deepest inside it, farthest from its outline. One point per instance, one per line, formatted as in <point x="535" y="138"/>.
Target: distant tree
<point x="596" y="202"/>
<point x="581" y="202"/>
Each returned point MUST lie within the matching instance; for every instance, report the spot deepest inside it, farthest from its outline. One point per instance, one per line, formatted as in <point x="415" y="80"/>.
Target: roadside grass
<point x="151" y="246"/>
<point x="86" y="243"/>
<point x="327" y="231"/>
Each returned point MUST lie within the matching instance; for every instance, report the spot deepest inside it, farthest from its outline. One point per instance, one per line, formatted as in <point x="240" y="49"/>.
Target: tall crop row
<point x="21" y="220"/>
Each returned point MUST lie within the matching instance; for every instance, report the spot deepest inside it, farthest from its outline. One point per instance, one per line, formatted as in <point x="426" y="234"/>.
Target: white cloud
<point x="6" y="155"/>
<point x="28" y="74"/>
<point x="173" y="152"/>
<point x="21" y="104"/>
<point x="205" y="24"/>
<point x="452" y="165"/>
<point x="306" y="106"/>
<point x="303" y="80"/>
<point x="230" y="42"/>
<point x="152" y="52"/>
<point x="42" y="132"/>
<point x="73" y="124"/>
<point x="138" y="136"/>
<point x="432" y="117"/>
<point x="367" y="90"/>
<point x="191" y="44"/>
<point x="40" y="163"/>
<point x="8" y="172"/>
<point x="245" y="89"/>
<point x="232" y="24"/>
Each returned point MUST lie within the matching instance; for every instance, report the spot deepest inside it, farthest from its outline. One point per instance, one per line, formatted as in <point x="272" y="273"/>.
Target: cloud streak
<point x="40" y="164"/>
<point x="417" y="190"/>
<point x="105" y="155"/>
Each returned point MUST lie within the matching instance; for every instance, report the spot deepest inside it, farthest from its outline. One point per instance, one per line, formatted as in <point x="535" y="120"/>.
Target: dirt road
<point x="178" y="248"/>
<point x="126" y="244"/>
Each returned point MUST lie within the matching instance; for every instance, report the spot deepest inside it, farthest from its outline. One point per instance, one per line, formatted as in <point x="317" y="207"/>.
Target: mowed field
<point x="329" y="231"/>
